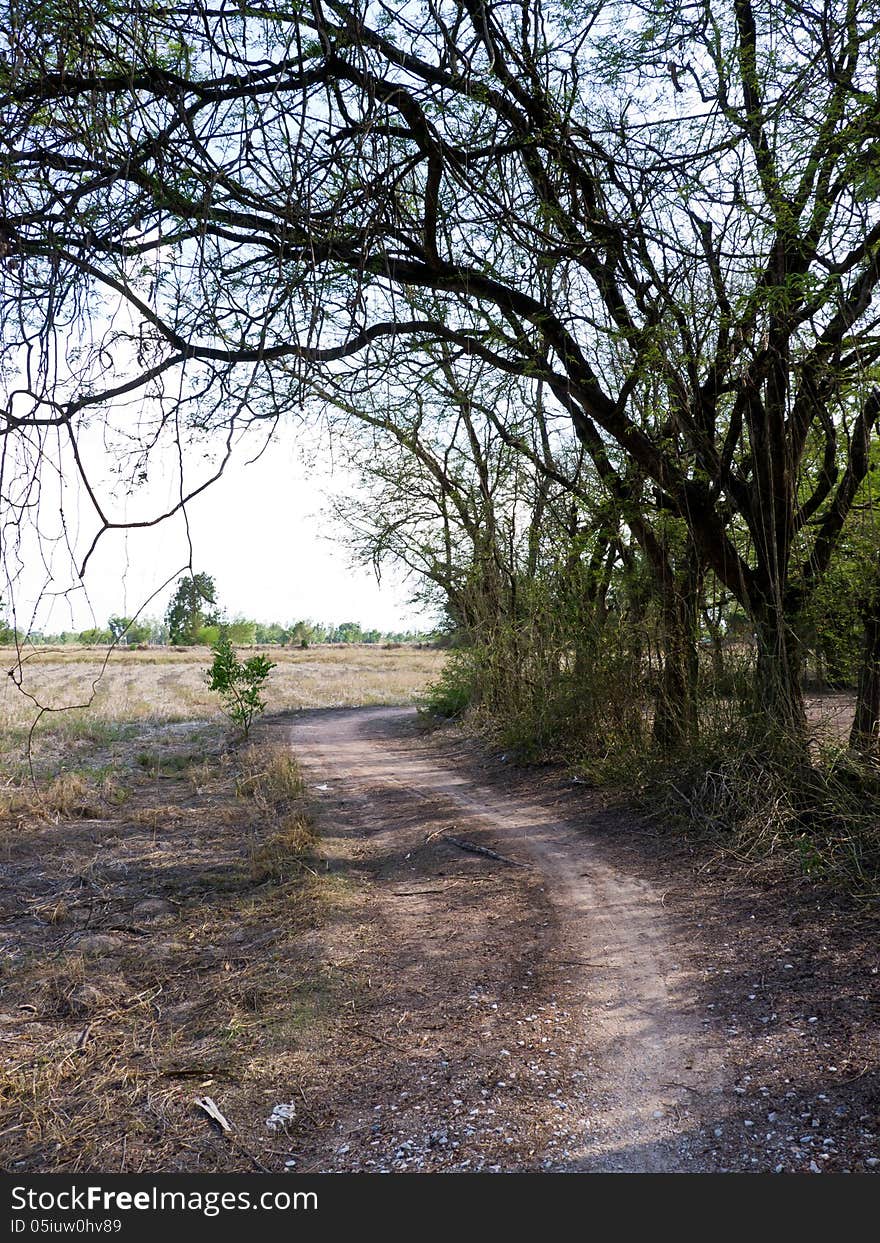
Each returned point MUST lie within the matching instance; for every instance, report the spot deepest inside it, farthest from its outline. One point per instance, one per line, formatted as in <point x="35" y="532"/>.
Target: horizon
<point x="261" y="531"/>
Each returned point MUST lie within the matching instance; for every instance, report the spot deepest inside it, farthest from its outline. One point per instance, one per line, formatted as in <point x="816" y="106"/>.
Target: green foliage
<point x="347" y="632"/>
<point x="242" y="631"/>
<point x="455" y="689"/>
<point x="126" y="630"/>
<point x="304" y="633"/>
<point x="139" y="632"/>
<point x="832" y="623"/>
<point x="271" y="633"/>
<point x="94" y="636"/>
<point x="239" y="684"/>
<point x="187" y="613"/>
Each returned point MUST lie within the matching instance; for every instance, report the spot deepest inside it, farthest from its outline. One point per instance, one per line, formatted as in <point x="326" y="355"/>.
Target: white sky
<point x="259" y="532"/>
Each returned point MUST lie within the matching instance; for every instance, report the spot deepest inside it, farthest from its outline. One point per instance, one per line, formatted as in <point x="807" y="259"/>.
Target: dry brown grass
<point x="269" y="774"/>
<point x="283" y="853"/>
<point x="154" y="950"/>
<point x="169" y="685"/>
<point x="66" y="796"/>
<point x="159" y="699"/>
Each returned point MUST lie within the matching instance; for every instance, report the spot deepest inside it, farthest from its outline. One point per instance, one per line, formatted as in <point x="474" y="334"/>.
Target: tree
<point x="187" y="613"/>
<point x="238" y="683"/>
<point x="489" y="501"/>
<point x="303" y="633"/>
<point x="127" y="630"/>
<point x="475" y="484"/>
<point x="664" y="214"/>
<point x="273" y="633"/>
<point x="865" y="734"/>
<point x="94" y="636"/>
<point x="347" y="632"/>
<point x="242" y="631"/>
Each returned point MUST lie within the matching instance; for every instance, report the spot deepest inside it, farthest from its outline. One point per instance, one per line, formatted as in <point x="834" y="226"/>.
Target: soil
<point x="481" y="968"/>
<point x="606" y="999"/>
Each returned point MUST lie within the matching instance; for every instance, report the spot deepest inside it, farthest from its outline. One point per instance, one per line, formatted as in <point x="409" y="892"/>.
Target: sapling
<point x="239" y="684"/>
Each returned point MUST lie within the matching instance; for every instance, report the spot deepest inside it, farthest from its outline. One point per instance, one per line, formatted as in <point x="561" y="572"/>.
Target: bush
<point x="238" y="684"/>
<point x="741" y="789"/>
<point x="454" y="690"/>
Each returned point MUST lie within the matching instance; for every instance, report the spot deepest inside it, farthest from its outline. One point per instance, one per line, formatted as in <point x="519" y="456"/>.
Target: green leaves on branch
<point x="188" y="616"/>
<point x="238" y="684"/>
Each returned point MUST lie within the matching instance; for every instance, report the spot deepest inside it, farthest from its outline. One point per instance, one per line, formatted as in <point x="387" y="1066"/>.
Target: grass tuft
<point x="269" y="774"/>
<point x="282" y="855"/>
<point x="68" y="795"/>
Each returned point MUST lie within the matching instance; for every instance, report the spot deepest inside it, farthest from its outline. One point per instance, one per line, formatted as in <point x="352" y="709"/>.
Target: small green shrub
<point x="454" y="690"/>
<point x="239" y="684"/>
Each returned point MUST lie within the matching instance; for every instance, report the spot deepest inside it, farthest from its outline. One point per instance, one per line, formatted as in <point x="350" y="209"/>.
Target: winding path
<point x="656" y="1070"/>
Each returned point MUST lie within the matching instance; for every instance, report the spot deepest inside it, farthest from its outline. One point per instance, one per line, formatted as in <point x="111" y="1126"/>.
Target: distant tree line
<point x="244" y="632"/>
<point x="193" y="617"/>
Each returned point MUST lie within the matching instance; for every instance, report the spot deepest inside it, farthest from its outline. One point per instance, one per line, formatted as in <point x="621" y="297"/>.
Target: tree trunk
<point x="676" y="713"/>
<point x="865" y="735"/>
<point x="779" y="695"/>
<point x="717" y="652"/>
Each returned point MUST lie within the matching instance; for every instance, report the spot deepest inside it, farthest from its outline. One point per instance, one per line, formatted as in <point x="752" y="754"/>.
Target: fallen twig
<point x="236" y="1143"/>
<point x="482" y="850"/>
<point x="210" y="1108"/>
<point x="417" y="893"/>
<point x="360" y="1031"/>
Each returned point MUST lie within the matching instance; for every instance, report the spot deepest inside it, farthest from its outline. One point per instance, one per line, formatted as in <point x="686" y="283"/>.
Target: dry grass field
<point x="168" y="684"/>
<point x="98" y="703"/>
<point x="162" y="892"/>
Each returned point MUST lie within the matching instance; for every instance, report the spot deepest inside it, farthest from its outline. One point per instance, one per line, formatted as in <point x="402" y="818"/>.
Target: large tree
<point x="664" y="213"/>
<point x="481" y="491"/>
<point x="189" y="609"/>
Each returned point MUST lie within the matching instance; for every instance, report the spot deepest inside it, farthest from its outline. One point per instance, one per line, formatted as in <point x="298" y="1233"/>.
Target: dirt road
<point x="472" y="967"/>
<point x="604" y="970"/>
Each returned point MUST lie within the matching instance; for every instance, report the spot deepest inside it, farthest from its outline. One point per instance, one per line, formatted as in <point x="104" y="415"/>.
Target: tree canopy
<point x="665" y="214"/>
<point x="189" y="612"/>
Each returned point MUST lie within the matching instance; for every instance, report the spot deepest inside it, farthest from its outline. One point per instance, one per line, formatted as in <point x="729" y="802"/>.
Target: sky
<point x="260" y="531"/>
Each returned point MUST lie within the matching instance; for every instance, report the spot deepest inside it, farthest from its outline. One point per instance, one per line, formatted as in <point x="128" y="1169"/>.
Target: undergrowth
<point x="772" y="803"/>
<point x="819" y="818"/>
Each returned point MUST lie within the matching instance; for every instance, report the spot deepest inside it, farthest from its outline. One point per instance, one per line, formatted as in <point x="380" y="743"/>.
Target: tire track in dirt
<point x="654" y="1073"/>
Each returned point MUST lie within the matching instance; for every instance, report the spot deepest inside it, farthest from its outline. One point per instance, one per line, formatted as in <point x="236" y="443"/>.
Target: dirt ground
<point x="588" y="995"/>
<point x="626" y="1003"/>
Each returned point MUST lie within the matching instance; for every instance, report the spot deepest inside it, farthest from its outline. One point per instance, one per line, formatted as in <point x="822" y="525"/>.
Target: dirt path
<point x="591" y="992"/>
<point x="642" y="1068"/>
